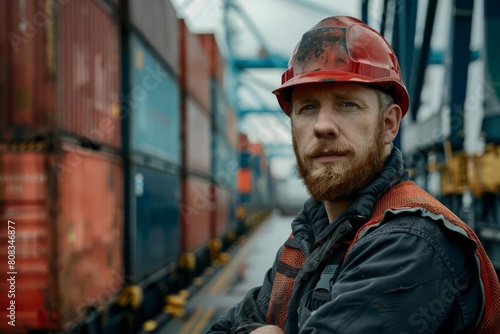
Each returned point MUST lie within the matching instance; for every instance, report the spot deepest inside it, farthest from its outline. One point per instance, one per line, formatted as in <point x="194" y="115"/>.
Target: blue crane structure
<point x="453" y="150"/>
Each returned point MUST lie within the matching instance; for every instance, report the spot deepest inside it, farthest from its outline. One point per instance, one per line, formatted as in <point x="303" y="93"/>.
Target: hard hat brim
<point x="390" y="85"/>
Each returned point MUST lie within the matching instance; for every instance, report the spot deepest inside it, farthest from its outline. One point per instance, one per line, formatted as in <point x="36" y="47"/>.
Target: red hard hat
<point x="340" y="49"/>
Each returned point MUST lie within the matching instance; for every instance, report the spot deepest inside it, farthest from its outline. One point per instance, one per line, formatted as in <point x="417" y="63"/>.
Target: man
<point x="370" y="252"/>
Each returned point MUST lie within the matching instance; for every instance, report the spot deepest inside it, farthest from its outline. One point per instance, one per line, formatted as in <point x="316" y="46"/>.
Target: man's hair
<point x="384" y="100"/>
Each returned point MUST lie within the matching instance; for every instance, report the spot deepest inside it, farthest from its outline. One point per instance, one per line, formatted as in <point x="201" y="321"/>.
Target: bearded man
<point x="370" y="252"/>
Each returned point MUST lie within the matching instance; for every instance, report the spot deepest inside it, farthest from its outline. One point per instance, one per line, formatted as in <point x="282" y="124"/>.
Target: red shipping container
<point x="197" y="144"/>
<point x="81" y="96"/>
<point x="196" y="208"/>
<point x="194" y="67"/>
<point x="67" y="209"/>
<point x="216" y="60"/>
<point x="90" y="67"/>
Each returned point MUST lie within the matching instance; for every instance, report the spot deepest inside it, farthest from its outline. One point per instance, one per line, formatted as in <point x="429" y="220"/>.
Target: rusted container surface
<point x="69" y="241"/>
<point x="195" y="213"/>
<point x="90" y="72"/>
<point x="28" y="68"/>
<point x="90" y="230"/>
<point x="23" y="178"/>
<point x="216" y="60"/>
<point x="86" y="47"/>
<point x="195" y="71"/>
<point x="222" y="211"/>
<point x="33" y="273"/>
<point x="232" y="128"/>
<point x="154" y="107"/>
<point x="198" y="138"/>
<point x="157" y="22"/>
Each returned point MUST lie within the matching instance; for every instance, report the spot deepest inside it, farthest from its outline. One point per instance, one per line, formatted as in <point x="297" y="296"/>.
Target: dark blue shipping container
<point x="152" y="222"/>
<point x="154" y="105"/>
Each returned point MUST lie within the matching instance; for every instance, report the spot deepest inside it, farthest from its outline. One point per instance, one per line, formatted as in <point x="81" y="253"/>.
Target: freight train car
<point x="450" y="135"/>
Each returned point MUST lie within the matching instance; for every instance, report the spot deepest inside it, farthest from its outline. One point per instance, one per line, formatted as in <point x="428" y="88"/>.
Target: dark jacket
<point x="411" y="274"/>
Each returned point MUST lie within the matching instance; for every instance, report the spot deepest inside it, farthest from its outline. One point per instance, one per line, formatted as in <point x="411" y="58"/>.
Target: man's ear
<point x="392" y="119"/>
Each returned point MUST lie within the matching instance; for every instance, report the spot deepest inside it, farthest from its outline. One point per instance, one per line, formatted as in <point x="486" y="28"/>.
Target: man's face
<point x="338" y="138"/>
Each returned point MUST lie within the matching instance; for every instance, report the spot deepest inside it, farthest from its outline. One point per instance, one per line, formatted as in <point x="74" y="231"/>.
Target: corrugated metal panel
<point x="195" y="213"/>
<point x="23" y="178"/>
<point x="155" y="105"/>
<point x="89" y="57"/>
<point x="89" y="71"/>
<point x="154" y="221"/>
<point x="29" y="71"/>
<point x="90" y="229"/>
<point x="157" y="22"/>
<point x="68" y="242"/>
<point x="216" y="60"/>
<point x="195" y="71"/>
<point x="198" y="138"/>
<point x="222" y="211"/>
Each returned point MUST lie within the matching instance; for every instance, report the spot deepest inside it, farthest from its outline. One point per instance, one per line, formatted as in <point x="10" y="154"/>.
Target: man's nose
<point x="325" y="124"/>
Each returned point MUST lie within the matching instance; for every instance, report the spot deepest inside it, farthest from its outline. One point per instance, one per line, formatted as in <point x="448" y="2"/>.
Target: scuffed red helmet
<point x="340" y="49"/>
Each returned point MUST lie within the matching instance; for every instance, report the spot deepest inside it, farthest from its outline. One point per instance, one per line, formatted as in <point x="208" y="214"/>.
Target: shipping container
<point x="152" y="222"/>
<point x="195" y="213"/>
<point x="195" y="70"/>
<point x="61" y="74"/>
<point x="157" y="23"/>
<point x="197" y="138"/>
<point x="89" y="72"/>
<point x="221" y="218"/>
<point x="30" y="73"/>
<point x="68" y="241"/>
<point x="152" y="118"/>
<point x="216" y="60"/>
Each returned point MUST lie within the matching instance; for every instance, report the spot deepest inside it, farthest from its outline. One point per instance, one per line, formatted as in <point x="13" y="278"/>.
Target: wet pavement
<point x="246" y="268"/>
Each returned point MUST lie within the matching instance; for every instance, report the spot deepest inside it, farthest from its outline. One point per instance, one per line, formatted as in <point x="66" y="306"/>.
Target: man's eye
<point x="348" y="104"/>
<point x="307" y="107"/>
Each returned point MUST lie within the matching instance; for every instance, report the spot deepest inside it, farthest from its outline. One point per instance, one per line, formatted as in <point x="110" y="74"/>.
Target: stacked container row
<point x="255" y="186"/>
<point x="61" y="175"/>
<point x="196" y="134"/>
<point x="152" y="151"/>
<point x="118" y="160"/>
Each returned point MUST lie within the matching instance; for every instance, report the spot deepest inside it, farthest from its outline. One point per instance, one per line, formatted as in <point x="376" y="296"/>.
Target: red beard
<point x="333" y="181"/>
